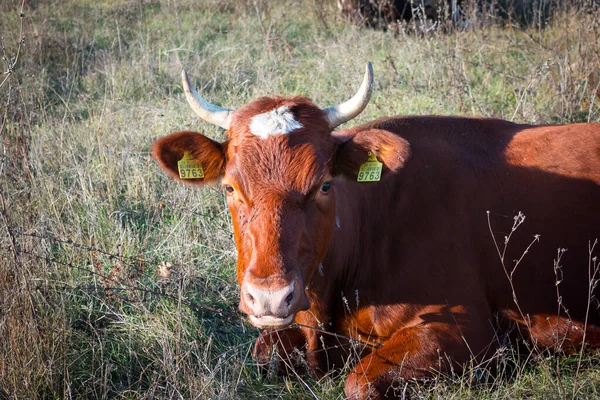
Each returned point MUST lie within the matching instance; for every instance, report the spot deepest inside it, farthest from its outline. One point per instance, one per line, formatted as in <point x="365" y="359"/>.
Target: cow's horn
<point x="344" y="112"/>
<point x="208" y="112"/>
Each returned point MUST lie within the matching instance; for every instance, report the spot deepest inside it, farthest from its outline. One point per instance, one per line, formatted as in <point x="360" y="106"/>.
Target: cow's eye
<point x="229" y="189"/>
<point x="325" y="188"/>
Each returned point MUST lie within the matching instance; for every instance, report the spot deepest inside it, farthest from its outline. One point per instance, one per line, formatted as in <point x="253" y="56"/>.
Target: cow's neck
<point x="356" y="223"/>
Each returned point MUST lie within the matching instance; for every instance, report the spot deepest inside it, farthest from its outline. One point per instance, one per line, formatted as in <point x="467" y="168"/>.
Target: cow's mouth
<point x="269" y="321"/>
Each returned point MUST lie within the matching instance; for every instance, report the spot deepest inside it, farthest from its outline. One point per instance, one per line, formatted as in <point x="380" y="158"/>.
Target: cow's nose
<point x="275" y="302"/>
<point x="269" y="306"/>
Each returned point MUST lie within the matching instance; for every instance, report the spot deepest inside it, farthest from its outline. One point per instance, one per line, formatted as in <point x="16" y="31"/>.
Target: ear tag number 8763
<point x="371" y="170"/>
<point x="189" y="167"/>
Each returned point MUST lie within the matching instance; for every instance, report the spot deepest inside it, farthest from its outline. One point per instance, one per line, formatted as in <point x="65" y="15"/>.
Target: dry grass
<point x="116" y="281"/>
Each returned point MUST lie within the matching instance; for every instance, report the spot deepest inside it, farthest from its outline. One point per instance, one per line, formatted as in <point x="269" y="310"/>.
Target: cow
<point x="417" y="240"/>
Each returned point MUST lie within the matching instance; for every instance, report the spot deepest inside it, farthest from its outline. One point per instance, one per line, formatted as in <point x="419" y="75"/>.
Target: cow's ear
<point x="353" y="151"/>
<point x="203" y="158"/>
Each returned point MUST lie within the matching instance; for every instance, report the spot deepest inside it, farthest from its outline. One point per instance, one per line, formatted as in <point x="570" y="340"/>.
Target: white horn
<point x="208" y="112"/>
<point x="344" y="112"/>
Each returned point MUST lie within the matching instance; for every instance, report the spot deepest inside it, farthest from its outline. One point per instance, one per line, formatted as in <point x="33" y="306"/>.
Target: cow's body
<point x="416" y="251"/>
<point x="408" y="265"/>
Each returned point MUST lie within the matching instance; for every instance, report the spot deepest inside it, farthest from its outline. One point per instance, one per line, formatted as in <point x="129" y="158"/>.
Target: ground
<point x="116" y="281"/>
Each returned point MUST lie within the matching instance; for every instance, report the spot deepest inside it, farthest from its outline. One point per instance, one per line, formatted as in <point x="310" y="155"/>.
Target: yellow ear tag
<point x="189" y="168"/>
<point x="370" y="171"/>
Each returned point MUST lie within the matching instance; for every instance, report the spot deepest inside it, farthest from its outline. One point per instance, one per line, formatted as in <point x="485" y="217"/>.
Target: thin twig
<point x="518" y="220"/>
<point x="12" y="62"/>
<point x="593" y="268"/>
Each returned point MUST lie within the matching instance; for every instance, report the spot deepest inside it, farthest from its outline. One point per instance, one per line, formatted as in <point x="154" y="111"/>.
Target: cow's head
<point x="277" y="168"/>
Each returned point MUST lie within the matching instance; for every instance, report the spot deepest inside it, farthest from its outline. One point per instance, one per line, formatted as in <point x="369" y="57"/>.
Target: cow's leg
<point x="288" y="344"/>
<point x="297" y="347"/>
<point x="560" y="333"/>
<point x="293" y="348"/>
<point x="417" y="352"/>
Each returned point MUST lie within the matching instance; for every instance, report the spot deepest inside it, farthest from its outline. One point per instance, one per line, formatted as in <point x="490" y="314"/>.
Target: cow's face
<point x="278" y="187"/>
<point x="277" y="170"/>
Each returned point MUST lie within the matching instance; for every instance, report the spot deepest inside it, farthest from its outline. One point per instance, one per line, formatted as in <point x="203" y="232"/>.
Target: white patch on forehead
<point x="278" y="121"/>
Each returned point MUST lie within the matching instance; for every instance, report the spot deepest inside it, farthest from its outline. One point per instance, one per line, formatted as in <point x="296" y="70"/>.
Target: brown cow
<point x="406" y="265"/>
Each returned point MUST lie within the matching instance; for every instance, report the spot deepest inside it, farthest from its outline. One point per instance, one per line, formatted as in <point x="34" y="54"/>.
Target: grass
<point x="117" y="282"/>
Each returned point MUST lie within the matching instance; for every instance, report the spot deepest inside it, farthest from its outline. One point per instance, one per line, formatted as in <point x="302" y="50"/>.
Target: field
<point x="118" y="282"/>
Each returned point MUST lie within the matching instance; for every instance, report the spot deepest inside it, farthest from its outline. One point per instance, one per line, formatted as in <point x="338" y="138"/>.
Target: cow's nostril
<point x="250" y="298"/>
<point x="289" y="298"/>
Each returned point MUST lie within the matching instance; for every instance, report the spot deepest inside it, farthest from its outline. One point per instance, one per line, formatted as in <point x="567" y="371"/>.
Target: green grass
<point x="89" y="222"/>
